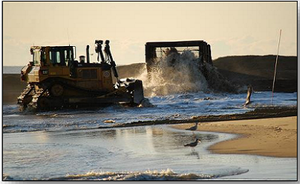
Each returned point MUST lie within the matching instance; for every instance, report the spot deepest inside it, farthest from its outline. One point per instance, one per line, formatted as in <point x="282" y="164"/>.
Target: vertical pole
<point x="87" y="54"/>
<point x="275" y="70"/>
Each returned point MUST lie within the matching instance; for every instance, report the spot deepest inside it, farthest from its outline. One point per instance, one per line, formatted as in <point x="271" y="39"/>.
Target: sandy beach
<point x="276" y="137"/>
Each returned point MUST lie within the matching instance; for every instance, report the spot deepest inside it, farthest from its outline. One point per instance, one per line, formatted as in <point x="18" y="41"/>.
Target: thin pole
<point x="275" y="70"/>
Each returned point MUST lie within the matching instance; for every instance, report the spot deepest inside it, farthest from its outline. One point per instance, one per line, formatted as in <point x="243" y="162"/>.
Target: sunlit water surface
<point x="180" y="106"/>
<point x="54" y="145"/>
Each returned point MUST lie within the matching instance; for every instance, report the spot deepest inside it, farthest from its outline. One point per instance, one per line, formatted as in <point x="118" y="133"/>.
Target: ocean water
<point x="12" y="69"/>
<point x="66" y="144"/>
<point x="177" y="106"/>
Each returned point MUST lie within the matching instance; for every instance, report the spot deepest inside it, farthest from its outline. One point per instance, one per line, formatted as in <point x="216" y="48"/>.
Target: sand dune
<point x="259" y="71"/>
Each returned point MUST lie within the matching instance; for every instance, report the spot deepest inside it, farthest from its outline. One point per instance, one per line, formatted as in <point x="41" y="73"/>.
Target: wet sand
<point x="276" y="137"/>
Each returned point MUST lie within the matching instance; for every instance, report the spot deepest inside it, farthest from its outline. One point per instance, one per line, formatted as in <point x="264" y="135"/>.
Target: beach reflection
<point x="194" y="153"/>
<point x="152" y="139"/>
<point x="55" y="154"/>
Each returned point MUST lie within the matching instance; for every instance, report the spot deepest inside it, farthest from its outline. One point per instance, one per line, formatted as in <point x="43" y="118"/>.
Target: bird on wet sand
<point x="193" y="128"/>
<point x="193" y="144"/>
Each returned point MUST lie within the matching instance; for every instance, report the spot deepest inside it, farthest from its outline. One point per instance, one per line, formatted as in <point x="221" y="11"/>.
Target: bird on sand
<point x="193" y="128"/>
<point x="193" y="144"/>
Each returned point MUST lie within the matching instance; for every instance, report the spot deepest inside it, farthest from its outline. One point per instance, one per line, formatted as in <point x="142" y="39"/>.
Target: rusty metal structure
<point x="156" y="50"/>
<point x="56" y="80"/>
<point x="158" y="54"/>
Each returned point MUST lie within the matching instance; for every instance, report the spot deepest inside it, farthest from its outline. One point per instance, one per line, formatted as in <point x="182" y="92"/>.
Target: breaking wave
<point x="167" y="174"/>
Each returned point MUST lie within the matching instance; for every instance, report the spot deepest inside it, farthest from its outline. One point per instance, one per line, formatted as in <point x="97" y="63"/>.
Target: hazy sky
<point x="231" y="28"/>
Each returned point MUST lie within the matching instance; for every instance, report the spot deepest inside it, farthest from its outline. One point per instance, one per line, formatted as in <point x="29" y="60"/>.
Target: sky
<point x="231" y="28"/>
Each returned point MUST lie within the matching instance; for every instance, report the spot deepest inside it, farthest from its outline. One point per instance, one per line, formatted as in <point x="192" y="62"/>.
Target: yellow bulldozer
<point x="56" y="80"/>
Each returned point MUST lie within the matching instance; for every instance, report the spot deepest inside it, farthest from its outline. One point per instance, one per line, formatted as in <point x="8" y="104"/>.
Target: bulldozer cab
<point x="52" y="56"/>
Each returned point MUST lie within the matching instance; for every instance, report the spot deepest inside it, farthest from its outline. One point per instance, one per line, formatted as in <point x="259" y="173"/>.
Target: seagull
<point x="193" y="128"/>
<point x="193" y="144"/>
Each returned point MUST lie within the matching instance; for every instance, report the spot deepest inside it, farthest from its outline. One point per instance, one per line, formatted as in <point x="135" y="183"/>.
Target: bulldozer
<point x="56" y="80"/>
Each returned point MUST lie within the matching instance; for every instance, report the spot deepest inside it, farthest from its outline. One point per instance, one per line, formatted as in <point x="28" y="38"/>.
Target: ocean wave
<point x="167" y="174"/>
<point x="6" y="177"/>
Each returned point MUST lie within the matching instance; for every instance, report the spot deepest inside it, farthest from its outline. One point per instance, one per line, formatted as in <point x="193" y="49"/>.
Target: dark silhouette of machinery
<point x="168" y="52"/>
<point x="156" y="50"/>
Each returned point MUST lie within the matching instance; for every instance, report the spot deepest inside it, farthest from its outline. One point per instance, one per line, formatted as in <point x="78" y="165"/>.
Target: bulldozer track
<point x="43" y="99"/>
<point x="35" y="98"/>
<point x="26" y="91"/>
<point x="25" y="95"/>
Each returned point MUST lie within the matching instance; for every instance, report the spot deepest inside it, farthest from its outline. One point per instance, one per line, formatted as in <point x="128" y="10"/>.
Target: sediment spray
<point x="180" y="73"/>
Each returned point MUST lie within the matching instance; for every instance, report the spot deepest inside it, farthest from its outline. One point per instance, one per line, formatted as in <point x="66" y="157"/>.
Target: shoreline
<point x="258" y="113"/>
<point x="267" y="131"/>
<point x="274" y="137"/>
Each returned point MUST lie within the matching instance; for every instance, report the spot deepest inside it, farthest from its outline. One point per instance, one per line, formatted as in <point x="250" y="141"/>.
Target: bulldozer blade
<point x="138" y="94"/>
